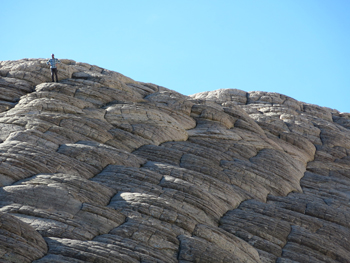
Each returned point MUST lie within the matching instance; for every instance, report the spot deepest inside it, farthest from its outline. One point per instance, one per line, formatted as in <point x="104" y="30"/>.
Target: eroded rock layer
<point x="102" y="168"/>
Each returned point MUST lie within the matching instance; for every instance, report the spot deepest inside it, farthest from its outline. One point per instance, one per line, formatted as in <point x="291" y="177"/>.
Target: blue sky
<point x="300" y="48"/>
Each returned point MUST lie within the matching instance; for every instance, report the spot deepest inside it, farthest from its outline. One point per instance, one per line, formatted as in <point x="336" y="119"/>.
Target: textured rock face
<point x="102" y="168"/>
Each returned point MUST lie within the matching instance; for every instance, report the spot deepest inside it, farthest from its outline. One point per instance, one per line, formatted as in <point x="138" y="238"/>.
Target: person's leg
<point x="56" y="74"/>
<point x="52" y="74"/>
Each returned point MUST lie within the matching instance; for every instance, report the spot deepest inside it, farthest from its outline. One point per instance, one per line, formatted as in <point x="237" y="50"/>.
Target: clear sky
<point x="300" y="48"/>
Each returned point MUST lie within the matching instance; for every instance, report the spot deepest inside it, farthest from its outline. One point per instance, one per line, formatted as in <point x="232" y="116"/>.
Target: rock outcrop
<point x="102" y="168"/>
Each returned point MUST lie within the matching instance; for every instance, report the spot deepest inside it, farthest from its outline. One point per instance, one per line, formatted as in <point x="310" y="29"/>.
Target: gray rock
<point x="102" y="168"/>
<point x="19" y="242"/>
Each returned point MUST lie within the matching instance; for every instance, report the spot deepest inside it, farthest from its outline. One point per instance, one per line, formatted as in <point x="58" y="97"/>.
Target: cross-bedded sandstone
<point x="102" y="168"/>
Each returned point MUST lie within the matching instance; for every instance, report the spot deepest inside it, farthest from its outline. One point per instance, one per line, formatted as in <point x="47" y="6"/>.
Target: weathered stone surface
<point x="19" y="242"/>
<point x="102" y="168"/>
<point x="227" y="97"/>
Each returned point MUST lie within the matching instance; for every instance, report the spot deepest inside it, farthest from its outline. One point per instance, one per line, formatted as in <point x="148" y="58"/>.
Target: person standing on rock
<point x="52" y="62"/>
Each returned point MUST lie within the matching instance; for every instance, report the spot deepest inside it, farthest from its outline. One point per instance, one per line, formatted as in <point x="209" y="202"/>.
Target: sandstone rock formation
<point x="102" y="168"/>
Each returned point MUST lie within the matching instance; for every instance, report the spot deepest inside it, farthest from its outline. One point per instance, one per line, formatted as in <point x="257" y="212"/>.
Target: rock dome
<point x="101" y="168"/>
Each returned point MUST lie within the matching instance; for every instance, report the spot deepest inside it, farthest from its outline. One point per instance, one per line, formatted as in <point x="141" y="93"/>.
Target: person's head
<point x="53" y="55"/>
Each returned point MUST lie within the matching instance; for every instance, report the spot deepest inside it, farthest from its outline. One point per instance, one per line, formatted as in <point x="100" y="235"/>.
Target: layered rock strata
<point x="102" y="168"/>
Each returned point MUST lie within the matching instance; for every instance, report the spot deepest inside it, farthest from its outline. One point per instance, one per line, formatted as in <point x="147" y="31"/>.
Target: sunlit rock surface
<point x="102" y="168"/>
